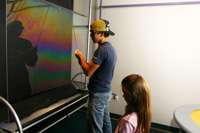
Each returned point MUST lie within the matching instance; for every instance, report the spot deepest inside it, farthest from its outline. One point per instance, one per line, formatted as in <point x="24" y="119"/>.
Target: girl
<point x="137" y="117"/>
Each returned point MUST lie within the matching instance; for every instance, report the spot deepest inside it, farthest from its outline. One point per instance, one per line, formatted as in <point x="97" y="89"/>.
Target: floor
<point x="76" y="123"/>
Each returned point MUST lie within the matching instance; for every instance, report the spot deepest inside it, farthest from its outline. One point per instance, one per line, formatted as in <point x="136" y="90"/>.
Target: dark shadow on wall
<point x="20" y="53"/>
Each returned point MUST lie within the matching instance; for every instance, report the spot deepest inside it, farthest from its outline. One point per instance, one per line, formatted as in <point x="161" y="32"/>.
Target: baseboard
<point x="154" y="126"/>
<point x="161" y="127"/>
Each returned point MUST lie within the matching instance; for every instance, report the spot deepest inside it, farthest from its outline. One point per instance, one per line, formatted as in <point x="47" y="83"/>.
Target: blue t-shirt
<point x="105" y="56"/>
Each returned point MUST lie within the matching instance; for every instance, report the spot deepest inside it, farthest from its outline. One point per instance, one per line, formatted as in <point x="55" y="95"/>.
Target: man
<point x="101" y="70"/>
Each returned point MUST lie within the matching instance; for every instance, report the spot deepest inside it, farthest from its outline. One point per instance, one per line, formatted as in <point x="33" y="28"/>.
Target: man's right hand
<point x="78" y="54"/>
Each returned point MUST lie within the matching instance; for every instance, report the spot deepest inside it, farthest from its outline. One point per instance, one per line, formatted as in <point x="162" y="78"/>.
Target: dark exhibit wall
<point x="3" y="90"/>
<point x="38" y="40"/>
<point x="40" y="46"/>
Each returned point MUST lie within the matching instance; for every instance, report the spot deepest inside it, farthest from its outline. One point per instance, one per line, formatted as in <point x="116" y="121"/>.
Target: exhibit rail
<point x="13" y="112"/>
<point x="88" y="39"/>
<point x="147" y="4"/>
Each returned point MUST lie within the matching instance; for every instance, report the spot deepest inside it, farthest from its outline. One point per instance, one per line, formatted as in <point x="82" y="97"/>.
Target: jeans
<point x="98" y="116"/>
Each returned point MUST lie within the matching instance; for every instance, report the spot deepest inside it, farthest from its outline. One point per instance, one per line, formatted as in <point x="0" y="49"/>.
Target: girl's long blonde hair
<point x="140" y="102"/>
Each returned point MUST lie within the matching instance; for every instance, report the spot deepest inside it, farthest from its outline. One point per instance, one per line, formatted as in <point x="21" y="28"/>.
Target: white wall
<point x="162" y="43"/>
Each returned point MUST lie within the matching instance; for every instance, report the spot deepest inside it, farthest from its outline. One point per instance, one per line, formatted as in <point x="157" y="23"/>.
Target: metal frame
<point x="88" y="39"/>
<point x="87" y="58"/>
<point x="55" y="112"/>
<point x="5" y="102"/>
<point x="62" y="118"/>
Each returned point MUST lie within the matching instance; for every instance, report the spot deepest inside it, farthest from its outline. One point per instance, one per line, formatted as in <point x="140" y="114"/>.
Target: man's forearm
<point x="84" y="65"/>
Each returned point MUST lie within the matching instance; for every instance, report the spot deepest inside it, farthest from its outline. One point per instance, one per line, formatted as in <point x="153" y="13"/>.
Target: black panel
<point x="63" y="3"/>
<point x="3" y="48"/>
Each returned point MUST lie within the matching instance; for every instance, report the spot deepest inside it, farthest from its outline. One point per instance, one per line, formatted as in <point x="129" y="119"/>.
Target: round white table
<point x="183" y="118"/>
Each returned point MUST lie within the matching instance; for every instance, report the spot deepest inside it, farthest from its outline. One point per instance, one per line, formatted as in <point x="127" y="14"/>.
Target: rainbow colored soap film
<point x="56" y="32"/>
